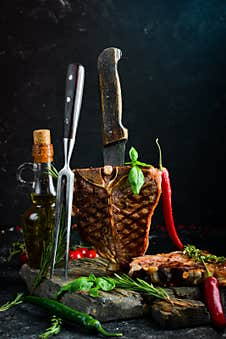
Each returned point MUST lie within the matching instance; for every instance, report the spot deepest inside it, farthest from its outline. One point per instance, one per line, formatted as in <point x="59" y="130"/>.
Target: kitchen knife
<point x="114" y="134"/>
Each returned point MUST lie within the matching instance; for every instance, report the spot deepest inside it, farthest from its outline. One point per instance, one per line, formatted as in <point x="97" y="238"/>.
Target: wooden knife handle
<point x="111" y="99"/>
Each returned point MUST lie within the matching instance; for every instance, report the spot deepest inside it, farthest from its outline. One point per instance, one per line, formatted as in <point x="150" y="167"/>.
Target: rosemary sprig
<point x="47" y="250"/>
<point x="18" y="300"/>
<point x="54" y="329"/>
<point x="53" y="171"/>
<point x="124" y="281"/>
<point x="199" y="255"/>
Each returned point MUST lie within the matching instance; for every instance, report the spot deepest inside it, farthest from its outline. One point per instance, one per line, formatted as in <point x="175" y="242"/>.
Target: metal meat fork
<point x="65" y="181"/>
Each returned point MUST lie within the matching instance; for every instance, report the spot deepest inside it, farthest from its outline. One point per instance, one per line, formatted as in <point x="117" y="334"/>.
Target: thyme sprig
<point x="199" y="255"/>
<point x="139" y="285"/>
<point x="17" y="247"/>
<point x="18" y="300"/>
<point x="54" y="329"/>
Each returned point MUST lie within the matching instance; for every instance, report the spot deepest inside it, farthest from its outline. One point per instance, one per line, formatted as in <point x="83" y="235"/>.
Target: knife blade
<point x="114" y="134"/>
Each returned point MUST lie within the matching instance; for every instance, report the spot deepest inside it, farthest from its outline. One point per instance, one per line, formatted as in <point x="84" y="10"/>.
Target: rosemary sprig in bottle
<point x="47" y="250"/>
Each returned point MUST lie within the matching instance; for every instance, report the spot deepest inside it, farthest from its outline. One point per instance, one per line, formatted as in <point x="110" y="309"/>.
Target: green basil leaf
<point x="133" y="154"/>
<point x="105" y="284"/>
<point x="94" y="292"/>
<point x="79" y="284"/>
<point x="136" y="179"/>
<point x="92" y="277"/>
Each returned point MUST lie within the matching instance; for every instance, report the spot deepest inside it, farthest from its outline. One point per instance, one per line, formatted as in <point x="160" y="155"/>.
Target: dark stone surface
<point x="28" y="321"/>
<point x="173" y="84"/>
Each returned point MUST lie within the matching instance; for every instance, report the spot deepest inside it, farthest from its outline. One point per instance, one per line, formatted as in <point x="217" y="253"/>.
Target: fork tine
<point x="58" y="213"/>
<point x="69" y="200"/>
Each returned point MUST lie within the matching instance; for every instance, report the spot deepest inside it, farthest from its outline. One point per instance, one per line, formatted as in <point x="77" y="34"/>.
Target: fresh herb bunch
<point x="53" y="171"/>
<point x="54" y="329"/>
<point x="124" y="281"/>
<point x="136" y="176"/>
<point x="18" y="300"/>
<point x="201" y="256"/>
<point x="17" y="247"/>
<point x="93" y="284"/>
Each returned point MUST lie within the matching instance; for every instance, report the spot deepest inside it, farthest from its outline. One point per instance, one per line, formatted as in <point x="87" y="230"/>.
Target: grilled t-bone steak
<point x="175" y="268"/>
<point x="110" y="216"/>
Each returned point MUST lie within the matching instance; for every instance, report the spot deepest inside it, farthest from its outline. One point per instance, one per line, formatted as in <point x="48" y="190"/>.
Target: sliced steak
<point x="175" y="268"/>
<point x="110" y="216"/>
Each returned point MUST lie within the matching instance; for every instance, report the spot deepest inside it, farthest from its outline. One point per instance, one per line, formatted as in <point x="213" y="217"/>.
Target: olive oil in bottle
<point x="38" y="220"/>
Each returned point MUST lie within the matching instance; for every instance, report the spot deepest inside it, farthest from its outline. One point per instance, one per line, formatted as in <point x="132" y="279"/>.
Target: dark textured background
<point x="173" y="75"/>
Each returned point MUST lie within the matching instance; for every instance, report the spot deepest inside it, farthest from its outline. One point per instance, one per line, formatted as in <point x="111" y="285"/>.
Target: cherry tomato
<point x="23" y="258"/>
<point x="84" y="251"/>
<point x="75" y="254"/>
<point x="92" y="253"/>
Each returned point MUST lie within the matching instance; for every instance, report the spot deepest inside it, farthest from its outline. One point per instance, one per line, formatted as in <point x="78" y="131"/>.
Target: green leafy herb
<point x="16" y="248"/>
<point x="53" y="171"/>
<point x="102" y="283"/>
<point x="18" y="300"/>
<point x="54" y="329"/>
<point x="202" y="256"/>
<point x="79" y="284"/>
<point x="91" y="284"/>
<point x="124" y="281"/>
<point x="136" y="176"/>
<point x="136" y="179"/>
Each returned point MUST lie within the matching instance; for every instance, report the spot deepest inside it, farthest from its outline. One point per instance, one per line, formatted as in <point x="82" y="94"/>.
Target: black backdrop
<point x="173" y="84"/>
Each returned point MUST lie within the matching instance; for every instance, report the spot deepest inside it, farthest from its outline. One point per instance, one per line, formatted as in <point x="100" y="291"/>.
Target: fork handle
<point x="73" y="99"/>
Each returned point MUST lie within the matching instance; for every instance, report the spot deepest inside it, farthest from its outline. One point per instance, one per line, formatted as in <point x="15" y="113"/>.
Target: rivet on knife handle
<point x="111" y="102"/>
<point x="73" y="99"/>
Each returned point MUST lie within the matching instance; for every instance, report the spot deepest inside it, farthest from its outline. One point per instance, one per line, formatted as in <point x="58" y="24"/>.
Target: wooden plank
<point x="187" y="309"/>
<point x="119" y="304"/>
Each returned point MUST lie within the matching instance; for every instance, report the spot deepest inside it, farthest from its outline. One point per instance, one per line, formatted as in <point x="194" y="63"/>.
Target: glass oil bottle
<point x="38" y="220"/>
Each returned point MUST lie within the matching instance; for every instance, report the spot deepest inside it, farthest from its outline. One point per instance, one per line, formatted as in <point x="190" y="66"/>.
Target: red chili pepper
<point x="167" y="203"/>
<point x="213" y="300"/>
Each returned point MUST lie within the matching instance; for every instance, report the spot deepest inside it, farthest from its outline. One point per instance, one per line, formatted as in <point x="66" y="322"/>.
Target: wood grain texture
<point x="111" y="98"/>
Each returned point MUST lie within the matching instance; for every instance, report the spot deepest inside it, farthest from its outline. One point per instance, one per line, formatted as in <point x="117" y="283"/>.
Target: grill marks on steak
<point x="110" y="216"/>
<point x="175" y="267"/>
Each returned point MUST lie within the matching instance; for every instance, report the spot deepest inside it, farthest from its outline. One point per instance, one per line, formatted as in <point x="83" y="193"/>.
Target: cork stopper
<point x="42" y="149"/>
<point x="42" y="136"/>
